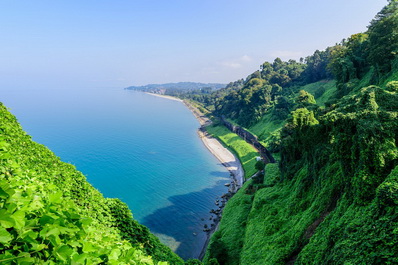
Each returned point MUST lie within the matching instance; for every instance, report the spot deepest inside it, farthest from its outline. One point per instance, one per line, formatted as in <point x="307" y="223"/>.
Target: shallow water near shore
<point x="133" y="146"/>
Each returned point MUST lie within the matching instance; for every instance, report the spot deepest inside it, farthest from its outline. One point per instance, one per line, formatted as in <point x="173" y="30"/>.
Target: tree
<point x="213" y="261"/>
<point x="348" y="60"/>
<point x="259" y="165"/>
<point x="303" y="117"/>
<point x="193" y="262"/>
<point x="383" y="37"/>
<point x="317" y="66"/>
<point x="306" y="98"/>
<point x="392" y="86"/>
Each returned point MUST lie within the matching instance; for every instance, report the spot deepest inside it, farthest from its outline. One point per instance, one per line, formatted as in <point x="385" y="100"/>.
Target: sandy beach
<point x="227" y="159"/>
<point x="225" y="156"/>
<point x="164" y="96"/>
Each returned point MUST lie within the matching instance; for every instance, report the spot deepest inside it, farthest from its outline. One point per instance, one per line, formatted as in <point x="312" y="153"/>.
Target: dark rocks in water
<point x="227" y="184"/>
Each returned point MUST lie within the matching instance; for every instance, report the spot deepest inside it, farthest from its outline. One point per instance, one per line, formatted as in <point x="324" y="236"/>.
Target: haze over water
<point x="133" y="146"/>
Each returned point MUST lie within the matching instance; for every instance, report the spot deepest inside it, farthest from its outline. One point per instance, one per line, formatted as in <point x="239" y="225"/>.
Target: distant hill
<point x="187" y="86"/>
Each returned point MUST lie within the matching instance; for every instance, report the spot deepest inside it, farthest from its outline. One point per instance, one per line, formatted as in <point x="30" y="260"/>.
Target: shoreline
<point x="164" y="96"/>
<point x="226" y="158"/>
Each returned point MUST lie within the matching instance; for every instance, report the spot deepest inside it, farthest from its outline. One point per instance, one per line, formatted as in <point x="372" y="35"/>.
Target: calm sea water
<point x="137" y="147"/>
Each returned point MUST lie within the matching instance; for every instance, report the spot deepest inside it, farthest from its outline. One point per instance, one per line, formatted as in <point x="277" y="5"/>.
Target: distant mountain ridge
<point x="161" y="88"/>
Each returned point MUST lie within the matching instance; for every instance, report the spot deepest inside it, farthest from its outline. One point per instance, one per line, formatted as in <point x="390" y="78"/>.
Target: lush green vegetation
<point x="322" y="90"/>
<point x="267" y="129"/>
<point x="50" y="214"/>
<point x="331" y="119"/>
<point x="333" y="197"/>
<point x="226" y="243"/>
<point x="244" y="151"/>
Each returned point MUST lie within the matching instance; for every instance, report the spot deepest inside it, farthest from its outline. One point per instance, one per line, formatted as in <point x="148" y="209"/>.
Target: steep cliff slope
<point x="50" y="214"/>
<point x="333" y="196"/>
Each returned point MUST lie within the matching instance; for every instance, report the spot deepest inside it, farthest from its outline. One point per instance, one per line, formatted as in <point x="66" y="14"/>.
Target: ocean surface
<point x="140" y="148"/>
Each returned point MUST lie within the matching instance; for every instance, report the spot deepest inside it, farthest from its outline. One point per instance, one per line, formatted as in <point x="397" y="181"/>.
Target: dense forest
<point x="331" y="122"/>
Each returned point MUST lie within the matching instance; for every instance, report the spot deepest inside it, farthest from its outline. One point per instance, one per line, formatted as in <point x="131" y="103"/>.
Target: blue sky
<point x="112" y="44"/>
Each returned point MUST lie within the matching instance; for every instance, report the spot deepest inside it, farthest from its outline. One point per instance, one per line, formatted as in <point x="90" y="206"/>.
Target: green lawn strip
<point x="244" y="151"/>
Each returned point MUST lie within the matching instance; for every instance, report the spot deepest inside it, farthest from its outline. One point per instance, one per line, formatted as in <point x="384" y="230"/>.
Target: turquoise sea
<point x="137" y="147"/>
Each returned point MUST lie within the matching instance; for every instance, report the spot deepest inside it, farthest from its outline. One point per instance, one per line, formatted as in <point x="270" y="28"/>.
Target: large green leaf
<point x="5" y="237"/>
<point x="64" y="252"/>
<point x="5" y="190"/>
<point x="115" y="253"/>
<point x="55" y="197"/>
<point x="88" y="247"/>
<point x="5" y="219"/>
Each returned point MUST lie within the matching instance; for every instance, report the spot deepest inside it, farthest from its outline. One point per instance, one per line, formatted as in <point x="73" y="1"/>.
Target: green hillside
<point x="50" y="214"/>
<point x="332" y="123"/>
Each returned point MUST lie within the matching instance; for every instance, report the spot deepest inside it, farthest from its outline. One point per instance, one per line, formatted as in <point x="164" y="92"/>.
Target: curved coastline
<point x="226" y="157"/>
<point x="164" y="96"/>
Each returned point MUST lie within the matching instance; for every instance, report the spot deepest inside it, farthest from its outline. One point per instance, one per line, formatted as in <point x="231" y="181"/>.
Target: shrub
<point x="259" y="165"/>
<point x="392" y="86"/>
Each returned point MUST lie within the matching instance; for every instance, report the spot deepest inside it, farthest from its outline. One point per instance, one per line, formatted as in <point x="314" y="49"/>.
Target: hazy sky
<point x="98" y="43"/>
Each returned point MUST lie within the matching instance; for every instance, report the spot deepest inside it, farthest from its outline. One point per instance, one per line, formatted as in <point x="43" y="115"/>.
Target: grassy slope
<point x="276" y="224"/>
<point x="49" y="212"/>
<point x="280" y="216"/>
<point x="244" y="151"/>
<point x="269" y="127"/>
<point x="321" y="90"/>
<point x="266" y="128"/>
<point x="393" y="75"/>
<point x="358" y="234"/>
<point x="363" y="228"/>
<point x="237" y="229"/>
